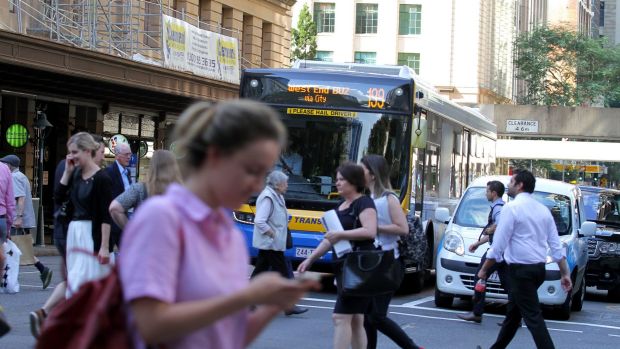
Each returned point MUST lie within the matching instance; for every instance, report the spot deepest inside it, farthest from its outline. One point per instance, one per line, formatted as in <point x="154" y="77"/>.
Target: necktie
<point x="126" y="172"/>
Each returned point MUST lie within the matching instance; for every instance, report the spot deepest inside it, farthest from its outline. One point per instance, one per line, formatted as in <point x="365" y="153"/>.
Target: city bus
<point x="341" y="112"/>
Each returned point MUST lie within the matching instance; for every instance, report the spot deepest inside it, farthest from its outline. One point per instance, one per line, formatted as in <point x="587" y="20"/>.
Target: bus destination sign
<point x="321" y="91"/>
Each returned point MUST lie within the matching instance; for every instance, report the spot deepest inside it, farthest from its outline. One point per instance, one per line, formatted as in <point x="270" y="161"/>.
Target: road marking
<point x="614" y="335"/>
<point x="428" y="317"/>
<point x="39" y="286"/>
<point x="418" y="302"/>
<point x="314" y="306"/>
<point x="427" y="299"/>
<point x="561" y="330"/>
<point x="30" y="272"/>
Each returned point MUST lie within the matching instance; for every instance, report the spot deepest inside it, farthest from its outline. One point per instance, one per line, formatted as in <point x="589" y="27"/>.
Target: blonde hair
<point x="163" y="170"/>
<point x="227" y="126"/>
<point x="84" y="141"/>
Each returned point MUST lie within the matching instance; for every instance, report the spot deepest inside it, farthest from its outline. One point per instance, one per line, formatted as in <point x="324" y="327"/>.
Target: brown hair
<point x="228" y="126"/>
<point x="84" y="141"/>
<point x="163" y="170"/>
<point x="354" y="174"/>
<point x="378" y="167"/>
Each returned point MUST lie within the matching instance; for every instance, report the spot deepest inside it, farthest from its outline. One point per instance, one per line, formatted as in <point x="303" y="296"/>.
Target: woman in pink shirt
<point x="184" y="264"/>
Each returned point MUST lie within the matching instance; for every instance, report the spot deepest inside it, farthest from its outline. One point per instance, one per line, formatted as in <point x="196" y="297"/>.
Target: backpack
<point x="94" y="317"/>
<point x="413" y="246"/>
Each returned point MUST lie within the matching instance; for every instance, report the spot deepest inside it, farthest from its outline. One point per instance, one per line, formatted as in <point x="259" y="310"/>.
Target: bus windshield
<point x="319" y="144"/>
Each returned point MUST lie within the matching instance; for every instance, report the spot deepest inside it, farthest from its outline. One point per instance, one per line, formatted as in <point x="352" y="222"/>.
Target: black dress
<point x="349" y="218"/>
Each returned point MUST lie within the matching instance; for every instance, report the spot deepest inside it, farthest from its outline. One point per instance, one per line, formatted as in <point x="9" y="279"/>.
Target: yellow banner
<point x="320" y="112"/>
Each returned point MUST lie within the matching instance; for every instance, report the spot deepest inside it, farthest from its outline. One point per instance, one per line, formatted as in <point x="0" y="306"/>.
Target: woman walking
<point x="271" y="229"/>
<point x="183" y="265"/>
<point x="163" y="170"/>
<point x="391" y="225"/>
<point x="359" y="220"/>
<point x="89" y="230"/>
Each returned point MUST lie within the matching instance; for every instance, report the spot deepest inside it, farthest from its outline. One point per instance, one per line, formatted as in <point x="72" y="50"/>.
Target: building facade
<point x="609" y="21"/>
<point x="579" y="15"/>
<point x="97" y="66"/>
<point x="464" y="48"/>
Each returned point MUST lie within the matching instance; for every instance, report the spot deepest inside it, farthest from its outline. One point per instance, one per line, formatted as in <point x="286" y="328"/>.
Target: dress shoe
<point x="295" y="311"/>
<point x="470" y="317"/>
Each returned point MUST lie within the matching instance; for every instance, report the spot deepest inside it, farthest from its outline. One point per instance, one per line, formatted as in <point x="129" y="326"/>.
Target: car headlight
<point x="454" y="243"/>
<point x="243" y="217"/>
<point x="609" y="247"/>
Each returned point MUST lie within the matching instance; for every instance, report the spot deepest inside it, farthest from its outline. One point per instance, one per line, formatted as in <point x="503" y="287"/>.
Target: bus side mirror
<point x="442" y="214"/>
<point x="588" y="229"/>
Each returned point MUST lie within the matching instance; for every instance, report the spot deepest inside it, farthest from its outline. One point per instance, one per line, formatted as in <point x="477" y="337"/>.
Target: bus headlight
<point x="454" y="243"/>
<point x="243" y="217"/>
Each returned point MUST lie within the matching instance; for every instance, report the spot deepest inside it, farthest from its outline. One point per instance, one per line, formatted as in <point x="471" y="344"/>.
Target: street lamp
<point x="40" y="125"/>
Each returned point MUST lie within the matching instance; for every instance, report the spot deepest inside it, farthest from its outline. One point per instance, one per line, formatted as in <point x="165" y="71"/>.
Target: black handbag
<point x="370" y="273"/>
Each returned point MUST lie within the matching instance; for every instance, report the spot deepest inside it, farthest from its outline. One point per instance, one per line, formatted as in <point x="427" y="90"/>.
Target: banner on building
<point x="204" y="53"/>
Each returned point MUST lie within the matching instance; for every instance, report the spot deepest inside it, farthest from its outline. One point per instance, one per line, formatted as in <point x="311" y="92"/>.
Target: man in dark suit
<point x="121" y="180"/>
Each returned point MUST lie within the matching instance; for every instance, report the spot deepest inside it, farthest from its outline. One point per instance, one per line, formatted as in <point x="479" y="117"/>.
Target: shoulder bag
<point x="368" y="273"/>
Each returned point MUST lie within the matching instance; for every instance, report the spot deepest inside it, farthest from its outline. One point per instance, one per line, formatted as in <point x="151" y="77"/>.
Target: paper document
<point x="332" y="223"/>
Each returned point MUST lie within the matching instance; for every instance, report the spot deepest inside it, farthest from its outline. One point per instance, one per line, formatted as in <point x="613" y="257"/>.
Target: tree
<point x="303" y="42"/>
<point x="562" y="67"/>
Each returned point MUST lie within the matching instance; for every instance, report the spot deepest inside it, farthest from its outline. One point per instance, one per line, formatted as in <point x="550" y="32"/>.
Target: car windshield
<point x="319" y="144"/>
<point x="601" y="206"/>
<point x="473" y="210"/>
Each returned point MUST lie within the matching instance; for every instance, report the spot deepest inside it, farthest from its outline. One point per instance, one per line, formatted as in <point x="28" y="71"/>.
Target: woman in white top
<point x="391" y="225"/>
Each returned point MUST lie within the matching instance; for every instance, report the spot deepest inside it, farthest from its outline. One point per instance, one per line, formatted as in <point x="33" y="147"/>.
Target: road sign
<point x="522" y="126"/>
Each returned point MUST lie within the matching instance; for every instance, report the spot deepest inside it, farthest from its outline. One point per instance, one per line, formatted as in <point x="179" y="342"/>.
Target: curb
<point x="47" y="250"/>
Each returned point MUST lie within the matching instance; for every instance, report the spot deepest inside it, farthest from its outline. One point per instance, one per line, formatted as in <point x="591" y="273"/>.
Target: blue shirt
<point x="496" y="209"/>
<point x="525" y="231"/>
<point x="124" y="175"/>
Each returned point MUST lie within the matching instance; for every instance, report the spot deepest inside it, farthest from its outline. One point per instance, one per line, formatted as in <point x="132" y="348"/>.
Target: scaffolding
<point x="125" y="28"/>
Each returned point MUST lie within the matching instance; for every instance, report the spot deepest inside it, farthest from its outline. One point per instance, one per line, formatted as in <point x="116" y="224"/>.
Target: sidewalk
<point x="47" y="250"/>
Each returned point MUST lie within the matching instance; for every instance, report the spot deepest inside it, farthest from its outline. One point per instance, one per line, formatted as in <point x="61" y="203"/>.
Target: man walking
<point x="495" y="190"/>
<point x="7" y="210"/>
<point x="121" y="180"/>
<point x="24" y="219"/>
<point x="525" y="231"/>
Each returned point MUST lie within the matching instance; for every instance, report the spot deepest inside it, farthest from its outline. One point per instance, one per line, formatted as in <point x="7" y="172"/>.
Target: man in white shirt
<point x="524" y="232"/>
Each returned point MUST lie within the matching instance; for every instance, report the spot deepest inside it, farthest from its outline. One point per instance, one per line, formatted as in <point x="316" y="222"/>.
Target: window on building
<point x="326" y="56"/>
<point x="412" y="60"/>
<point x="365" y="57"/>
<point x="366" y="18"/>
<point x="325" y="17"/>
<point x="410" y="19"/>
<point x="601" y="18"/>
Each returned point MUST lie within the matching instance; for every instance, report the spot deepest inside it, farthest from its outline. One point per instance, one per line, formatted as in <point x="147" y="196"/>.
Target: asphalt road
<point x="596" y="326"/>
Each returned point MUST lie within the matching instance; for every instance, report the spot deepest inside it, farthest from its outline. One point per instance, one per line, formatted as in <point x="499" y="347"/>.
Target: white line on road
<point x="30" y="272"/>
<point x="614" y="335"/>
<point x="39" y="286"/>
<point x="430" y="298"/>
<point x="561" y="330"/>
<point x="418" y="302"/>
<point x="314" y="306"/>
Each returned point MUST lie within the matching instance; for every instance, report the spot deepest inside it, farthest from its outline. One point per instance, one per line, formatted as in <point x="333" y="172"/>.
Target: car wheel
<point x="614" y="294"/>
<point x="579" y="297"/>
<point x="414" y="282"/>
<point x="443" y="300"/>
<point x="563" y="311"/>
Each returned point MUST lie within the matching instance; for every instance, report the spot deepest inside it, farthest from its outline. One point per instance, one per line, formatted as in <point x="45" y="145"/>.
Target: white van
<point x="456" y="266"/>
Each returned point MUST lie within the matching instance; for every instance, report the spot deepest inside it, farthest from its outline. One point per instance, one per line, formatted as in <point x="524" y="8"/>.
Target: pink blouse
<point x="177" y="249"/>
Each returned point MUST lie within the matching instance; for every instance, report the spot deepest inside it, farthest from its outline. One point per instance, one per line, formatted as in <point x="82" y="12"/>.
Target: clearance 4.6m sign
<point x="204" y="53"/>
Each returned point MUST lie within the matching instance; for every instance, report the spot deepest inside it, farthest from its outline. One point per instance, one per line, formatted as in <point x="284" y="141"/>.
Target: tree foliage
<point x="562" y="67"/>
<point x="303" y="42"/>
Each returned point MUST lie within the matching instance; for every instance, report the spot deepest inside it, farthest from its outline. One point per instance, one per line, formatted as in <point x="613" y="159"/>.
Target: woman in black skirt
<point x="358" y="217"/>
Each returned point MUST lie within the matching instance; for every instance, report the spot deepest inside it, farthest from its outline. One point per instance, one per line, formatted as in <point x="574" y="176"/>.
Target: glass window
<point x="412" y="60"/>
<point x="365" y="57"/>
<point x="410" y="19"/>
<point x="325" y="17"/>
<point x="318" y="145"/>
<point x="366" y="18"/>
<point x="473" y="209"/>
<point x="560" y="208"/>
<point x="326" y="56"/>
